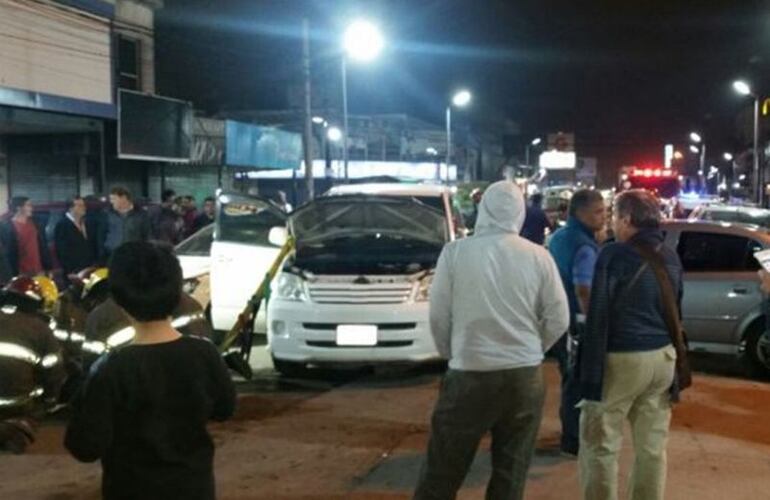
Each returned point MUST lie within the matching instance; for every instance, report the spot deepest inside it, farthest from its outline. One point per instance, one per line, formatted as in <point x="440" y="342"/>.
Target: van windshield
<point x="345" y="216"/>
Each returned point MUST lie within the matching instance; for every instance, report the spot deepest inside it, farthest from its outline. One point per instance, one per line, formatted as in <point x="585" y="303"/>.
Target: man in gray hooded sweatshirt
<point x="496" y="305"/>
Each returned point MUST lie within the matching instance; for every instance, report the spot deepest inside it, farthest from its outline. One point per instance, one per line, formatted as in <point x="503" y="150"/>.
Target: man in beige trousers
<point x="626" y="360"/>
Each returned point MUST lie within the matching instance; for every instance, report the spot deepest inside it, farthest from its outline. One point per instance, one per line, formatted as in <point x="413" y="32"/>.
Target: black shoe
<point x="569" y="451"/>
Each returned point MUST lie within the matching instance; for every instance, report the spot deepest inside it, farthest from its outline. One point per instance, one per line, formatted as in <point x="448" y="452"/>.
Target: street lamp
<point x="744" y="89"/>
<point x="361" y="42"/>
<point x="728" y="157"/>
<point x="536" y="141"/>
<point x="697" y="139"/>
<point x="694" y="149"/>
<point x="334" y="134"/>
<point x="461" y="99"/>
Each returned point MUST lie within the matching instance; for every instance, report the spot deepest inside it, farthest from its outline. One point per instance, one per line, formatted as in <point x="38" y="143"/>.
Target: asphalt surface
<point x="361" y="434"/>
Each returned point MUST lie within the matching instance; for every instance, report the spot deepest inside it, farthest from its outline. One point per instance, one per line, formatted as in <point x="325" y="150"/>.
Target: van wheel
<point x="756" y="352"/>
<point x="291" y="369"/>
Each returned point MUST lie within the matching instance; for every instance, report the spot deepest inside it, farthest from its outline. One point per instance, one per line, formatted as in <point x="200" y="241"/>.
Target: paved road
<point x="361" y="435"/>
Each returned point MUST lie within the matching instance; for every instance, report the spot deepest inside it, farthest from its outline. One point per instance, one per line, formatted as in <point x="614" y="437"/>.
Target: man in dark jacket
<point x="536" y="221"/>
<point x="26" y="251"/>
<point x="206" y="217"/>
<point x="575" y="250"/>
<point x="626" y="362"/>
<point x="167" y="223"/>
<point x="123" y="222"/>
<point x="71" y="239"/>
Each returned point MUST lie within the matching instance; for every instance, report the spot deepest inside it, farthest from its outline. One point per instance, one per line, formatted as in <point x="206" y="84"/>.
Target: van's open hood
<point x="352" y="216"/>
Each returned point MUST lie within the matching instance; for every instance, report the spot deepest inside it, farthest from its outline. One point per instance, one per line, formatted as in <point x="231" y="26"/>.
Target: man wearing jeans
<point x="627" y="361"/>
<point x="496" y="305"/>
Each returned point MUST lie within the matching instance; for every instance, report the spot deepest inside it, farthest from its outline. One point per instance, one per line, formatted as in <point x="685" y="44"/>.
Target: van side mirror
<point x="278" y="236"/>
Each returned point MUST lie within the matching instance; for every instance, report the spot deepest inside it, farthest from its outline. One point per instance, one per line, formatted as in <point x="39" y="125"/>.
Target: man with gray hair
<point x="627" y="361"/>
<point x="496" y="305"/>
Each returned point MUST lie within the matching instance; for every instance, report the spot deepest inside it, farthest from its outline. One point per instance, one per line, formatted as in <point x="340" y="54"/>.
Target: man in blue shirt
<point x="575" y="250"/>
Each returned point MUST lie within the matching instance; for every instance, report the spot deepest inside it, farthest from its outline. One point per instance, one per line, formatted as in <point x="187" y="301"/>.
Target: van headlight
<point x="423" y="289"/>
<point x="290" y="287"/>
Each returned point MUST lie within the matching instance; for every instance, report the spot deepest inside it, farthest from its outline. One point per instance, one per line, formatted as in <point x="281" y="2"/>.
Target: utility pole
<point x="308" y="135"/>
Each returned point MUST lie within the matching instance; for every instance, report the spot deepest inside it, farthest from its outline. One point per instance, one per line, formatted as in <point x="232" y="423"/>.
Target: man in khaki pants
<point x="626" y="358"/>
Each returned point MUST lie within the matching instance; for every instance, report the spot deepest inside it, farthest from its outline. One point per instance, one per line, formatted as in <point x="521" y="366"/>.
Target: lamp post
<point x="696" y="138"/>
<point x="728" y="157"/>
<point x="461" y="99"/>
<point x="536" y="141"/>
<point x="743" y="88"/>
<point x="362" y="42"/>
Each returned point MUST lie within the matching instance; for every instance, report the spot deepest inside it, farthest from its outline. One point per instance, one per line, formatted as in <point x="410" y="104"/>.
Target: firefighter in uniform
<point x="31" y="369"/>
<point x="87" y="290"/>
<point x="108" y="326"/>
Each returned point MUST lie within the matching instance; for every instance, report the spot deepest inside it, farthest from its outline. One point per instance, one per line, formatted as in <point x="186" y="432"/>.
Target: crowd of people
<point x="499" y="304"/>
<point x="86" y="236"/>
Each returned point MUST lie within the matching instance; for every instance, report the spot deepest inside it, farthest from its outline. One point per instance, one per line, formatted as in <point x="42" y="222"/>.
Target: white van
<point x="356" y="289"/>
<point x="242" y="252"/>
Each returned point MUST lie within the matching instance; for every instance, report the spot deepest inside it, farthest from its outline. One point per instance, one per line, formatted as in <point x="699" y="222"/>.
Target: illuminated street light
<point x="461" y="99"/>
<point x="431" y="151"/>
<point x="678" y="155"/>
<point x="742" y="87"/>
<point x="695" y="137"/>
<point x="334" y="134"/>
<point x="727" y="156"/>
<point x="318" y="120"/>
<point x="535" y="142"/>
<point x="694" y="149"/>
<point x="363" y="41"/>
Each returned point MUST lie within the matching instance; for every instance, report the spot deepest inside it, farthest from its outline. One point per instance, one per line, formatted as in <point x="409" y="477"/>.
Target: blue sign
<point x="256" y="146"/>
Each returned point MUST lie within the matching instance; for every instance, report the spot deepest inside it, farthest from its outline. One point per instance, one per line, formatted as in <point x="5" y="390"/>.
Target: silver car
<point x="723" y="307"/>
<point x="729" y="213"/>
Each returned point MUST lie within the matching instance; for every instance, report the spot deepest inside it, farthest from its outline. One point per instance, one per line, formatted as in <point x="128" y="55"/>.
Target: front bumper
<point x="307" y="332"/>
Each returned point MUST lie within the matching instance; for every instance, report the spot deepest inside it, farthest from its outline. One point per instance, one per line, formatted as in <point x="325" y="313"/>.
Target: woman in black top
<point x="144" y="407"/>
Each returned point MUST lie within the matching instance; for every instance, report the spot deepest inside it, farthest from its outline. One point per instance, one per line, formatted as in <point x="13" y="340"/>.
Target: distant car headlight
<point x="423" y="289"/>
<point x="290" y="287"/>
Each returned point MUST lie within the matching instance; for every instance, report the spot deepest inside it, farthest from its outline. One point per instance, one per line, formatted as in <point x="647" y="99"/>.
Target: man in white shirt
<point x="497" y="304"/>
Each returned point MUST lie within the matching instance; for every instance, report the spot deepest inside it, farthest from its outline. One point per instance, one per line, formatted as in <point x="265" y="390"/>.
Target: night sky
<point x="626" y="77"/>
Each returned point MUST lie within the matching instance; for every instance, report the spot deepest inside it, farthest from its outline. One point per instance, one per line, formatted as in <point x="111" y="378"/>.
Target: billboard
<point x="558" y="160"/>
<point x="256" y="146"/>
<point x="154" y="128"/>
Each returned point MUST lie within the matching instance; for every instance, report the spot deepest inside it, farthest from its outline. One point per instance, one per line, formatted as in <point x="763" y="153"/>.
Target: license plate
<point x="357" y="335"/>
